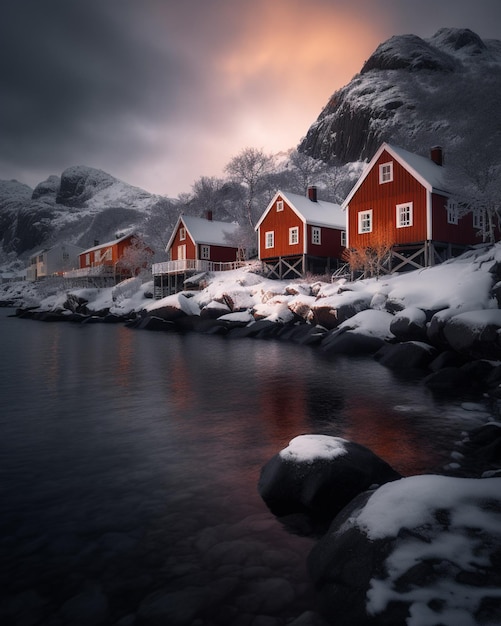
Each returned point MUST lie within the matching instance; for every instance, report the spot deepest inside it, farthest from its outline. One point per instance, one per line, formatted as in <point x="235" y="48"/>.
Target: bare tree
<point x="474" y="175"/>
<point x="251" y="167"/>
<point x="136" y="259"/>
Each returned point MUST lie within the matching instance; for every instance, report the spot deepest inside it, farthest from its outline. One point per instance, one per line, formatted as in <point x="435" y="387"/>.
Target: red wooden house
<point x="401" y="198"/>
<point x="299" y="234"/>
<point x="108" y="261"/>
<point x="196" y="245"/>
<point x="199" y="239"/>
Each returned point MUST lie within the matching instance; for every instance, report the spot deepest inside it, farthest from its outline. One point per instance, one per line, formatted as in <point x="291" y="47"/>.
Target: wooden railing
<point x="98" y="270"/>
<point x="185" y="265"/>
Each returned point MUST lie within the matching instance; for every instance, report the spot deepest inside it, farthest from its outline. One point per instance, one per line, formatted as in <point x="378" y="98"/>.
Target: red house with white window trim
<point x="197" y="245"/>
<point x="401" y="197"/>
<point x="299" y="234"/>
<point x="199" y="239"/>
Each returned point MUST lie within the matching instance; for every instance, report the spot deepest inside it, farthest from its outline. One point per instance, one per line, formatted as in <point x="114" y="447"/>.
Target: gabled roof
<point x="113" y="242"/>
<point x="426" y="171"/>
<point x="319" y="213"/>
<point x="205" y="231"/>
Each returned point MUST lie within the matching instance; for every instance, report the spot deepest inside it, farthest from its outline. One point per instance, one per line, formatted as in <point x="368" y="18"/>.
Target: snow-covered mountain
<point x="414" y="92"/>
<point x="81" y="206"/>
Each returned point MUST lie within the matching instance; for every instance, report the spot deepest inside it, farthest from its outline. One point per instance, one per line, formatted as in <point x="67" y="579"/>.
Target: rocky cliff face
<point x="410" y="91"/>
<point x="80" y="206"/>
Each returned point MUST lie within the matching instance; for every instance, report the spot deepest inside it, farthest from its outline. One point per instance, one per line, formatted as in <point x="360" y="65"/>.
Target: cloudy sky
<point x="161" y="92"/>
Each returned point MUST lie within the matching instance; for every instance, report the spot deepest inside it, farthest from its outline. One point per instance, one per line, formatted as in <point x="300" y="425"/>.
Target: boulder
<point x="447" y="379"/>
<point x="315" y="476"/>
<point x="406" y="355"/>
<point x="349" y="342"/>
<point x="409" y="325"/>
<point x="420" y="550"/>
<point x="475" y="333"/>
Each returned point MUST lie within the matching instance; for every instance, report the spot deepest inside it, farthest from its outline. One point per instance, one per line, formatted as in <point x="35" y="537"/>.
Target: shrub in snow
<point x="315" y="476"/>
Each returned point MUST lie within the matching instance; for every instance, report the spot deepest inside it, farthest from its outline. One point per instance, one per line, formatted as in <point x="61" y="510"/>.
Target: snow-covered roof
<point x="108" y="243"/>
<point x="319" y="213"/>
<point x="426" y="171"/>
<point x="202" y="230"/>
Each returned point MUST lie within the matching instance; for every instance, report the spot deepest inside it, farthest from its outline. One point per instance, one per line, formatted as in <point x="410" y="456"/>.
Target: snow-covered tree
<point x="136" y="259"/>
<point x="251" y="168"/>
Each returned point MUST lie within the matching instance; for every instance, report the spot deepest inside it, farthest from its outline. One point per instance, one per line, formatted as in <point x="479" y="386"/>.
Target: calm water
<point x="129" y="462"/>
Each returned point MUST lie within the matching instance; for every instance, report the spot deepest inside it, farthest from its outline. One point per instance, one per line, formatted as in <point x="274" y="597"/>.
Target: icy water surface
<point x="129" y="462"/>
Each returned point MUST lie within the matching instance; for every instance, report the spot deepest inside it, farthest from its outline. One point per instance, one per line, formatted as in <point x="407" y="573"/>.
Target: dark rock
<point x="447" y="358"/>
<point x="358" y="562"/>
<point x="310" y="492"/>
<point x="406" y="355"/>
<point x="408" y="328"/>
<point x="447" y="379"/>
<point x="152" y="322"/>
<point x="475" y="334"/>
<point x="262" y="328"/>
<point x="349" y="342"/>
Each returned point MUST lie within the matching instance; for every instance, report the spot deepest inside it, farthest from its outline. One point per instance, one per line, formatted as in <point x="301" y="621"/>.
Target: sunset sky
<point x="161" y="92"/>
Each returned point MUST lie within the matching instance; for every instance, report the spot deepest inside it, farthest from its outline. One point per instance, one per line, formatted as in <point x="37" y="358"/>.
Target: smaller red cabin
<point x="114" y="258"/>
<point x="199" y="239"/>
<point x="299" y="234"/>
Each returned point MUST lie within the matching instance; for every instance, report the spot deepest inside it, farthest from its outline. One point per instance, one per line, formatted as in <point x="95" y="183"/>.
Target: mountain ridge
<point x="409" y="89"/>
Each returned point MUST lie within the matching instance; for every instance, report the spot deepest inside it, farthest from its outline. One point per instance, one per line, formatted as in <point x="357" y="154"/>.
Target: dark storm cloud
<point x="160" y="92"/>
<point x="74" y="72"/>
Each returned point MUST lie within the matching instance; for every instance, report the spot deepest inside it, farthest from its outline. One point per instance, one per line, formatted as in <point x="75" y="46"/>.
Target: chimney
<point x="312" y="193"/>
<point x="96" y="242"/>
<point x="209" y="216"/>
<point x="437" y="155"/>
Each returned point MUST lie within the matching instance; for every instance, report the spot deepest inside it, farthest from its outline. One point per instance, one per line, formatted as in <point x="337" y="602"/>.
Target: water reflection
<point x="130" y="463"/>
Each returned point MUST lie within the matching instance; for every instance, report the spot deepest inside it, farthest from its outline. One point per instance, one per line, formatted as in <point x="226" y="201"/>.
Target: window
<point x="365" y="221"/>
<point x="280" y="205"/>
<point x="452" y="213"/>
<point x="269" y="239"/>
<point x="181" y="252"/>
<point x="205" y="252"/>
<point x="386" y="172"/>
<point x="293" y="236"/>
<point x="315" y="235"/>
<point x="87" y="258"/>
<point x="343" y="238"/>
<point x="182" y="233"/>
<point x="404" y="215"/>
<point x="479" y="219"/>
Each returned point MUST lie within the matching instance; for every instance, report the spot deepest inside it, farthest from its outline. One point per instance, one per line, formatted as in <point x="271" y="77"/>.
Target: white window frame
<point x="269" y="239"/>
<point x="343" y="238"/>
<point x="293" y="236"/>
<point x="280" y="205"/>
<point x="182" y="233"/>
<point x="404" y="217"/>
<point x="205" y="252"/>
<point x="386" y="172"/>
<point x="365" y="222"/>
<point x="478" y="219"/>
<point x="181" y="252"/>
<point x="452" y="213"/>
<point x="316" y="235"/>
<point x="87" y="259"/>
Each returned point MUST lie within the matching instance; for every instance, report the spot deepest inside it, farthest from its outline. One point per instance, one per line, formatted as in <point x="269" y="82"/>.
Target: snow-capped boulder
<point x="307" y="483"/>
<point x="475" y="333"/>
<point x="173" y="307"/>
<point x="334" y="310"/>
<point x="419" y="551"/>
<point x="409" y="325"/>
<point x="345" y="341"/>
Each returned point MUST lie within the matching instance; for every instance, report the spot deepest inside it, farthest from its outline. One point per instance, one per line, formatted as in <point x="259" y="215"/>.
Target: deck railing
<point x="83" y="272"/>
<point x="186" y="265"/>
